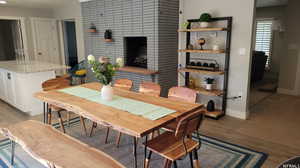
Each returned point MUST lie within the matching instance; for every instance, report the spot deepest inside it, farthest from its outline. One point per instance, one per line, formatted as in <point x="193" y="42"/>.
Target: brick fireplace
<point x="150" y="26"/>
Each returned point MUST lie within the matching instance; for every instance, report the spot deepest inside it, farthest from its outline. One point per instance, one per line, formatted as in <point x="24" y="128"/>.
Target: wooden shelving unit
<point x="203" y="29"/>
<point x="214" y="92"/>
<point x="204" y="72"/>
<point x="221" y="53"/>
<point x="203" y="51"/>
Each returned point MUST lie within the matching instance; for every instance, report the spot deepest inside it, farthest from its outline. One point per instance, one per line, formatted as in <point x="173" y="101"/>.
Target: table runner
<point x="146" y="110"/>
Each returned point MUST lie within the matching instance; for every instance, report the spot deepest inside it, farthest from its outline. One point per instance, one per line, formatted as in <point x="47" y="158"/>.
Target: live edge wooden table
<point x="122" y="121"/>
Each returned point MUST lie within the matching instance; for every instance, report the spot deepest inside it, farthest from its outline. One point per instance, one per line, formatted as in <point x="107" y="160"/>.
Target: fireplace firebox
<point x="135" y="51"/>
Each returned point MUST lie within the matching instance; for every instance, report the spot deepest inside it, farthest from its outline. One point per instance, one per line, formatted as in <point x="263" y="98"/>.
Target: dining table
<point x="129" y="112"/>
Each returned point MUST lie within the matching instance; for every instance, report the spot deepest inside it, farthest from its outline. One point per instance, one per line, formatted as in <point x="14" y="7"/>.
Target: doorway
<point x="70" y="43"/>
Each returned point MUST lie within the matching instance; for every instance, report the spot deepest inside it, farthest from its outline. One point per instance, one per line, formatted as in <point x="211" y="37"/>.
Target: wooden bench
<point x="54" y="149"/>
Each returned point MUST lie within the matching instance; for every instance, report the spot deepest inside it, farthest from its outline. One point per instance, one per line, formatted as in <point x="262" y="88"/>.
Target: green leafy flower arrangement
<point x="103" y="69"/>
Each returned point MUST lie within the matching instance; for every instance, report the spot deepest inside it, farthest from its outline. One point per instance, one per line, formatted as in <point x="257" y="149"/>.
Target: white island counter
<point x="18" y="83"/>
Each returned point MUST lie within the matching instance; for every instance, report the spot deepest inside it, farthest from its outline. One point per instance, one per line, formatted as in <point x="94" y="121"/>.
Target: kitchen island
<point x="19" y="81"/>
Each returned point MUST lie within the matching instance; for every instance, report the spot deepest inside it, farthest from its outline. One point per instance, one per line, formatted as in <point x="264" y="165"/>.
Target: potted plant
<point x="104" y="72"/>
<point x="204" y="19"/>
<point x="209" y="83"/>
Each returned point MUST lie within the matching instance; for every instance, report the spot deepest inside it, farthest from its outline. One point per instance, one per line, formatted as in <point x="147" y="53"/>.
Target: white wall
<point x="242" y="12"/>
<point x="25" y="12"/>
<point x="289" y="78"/>
<point x="73" y="11"/>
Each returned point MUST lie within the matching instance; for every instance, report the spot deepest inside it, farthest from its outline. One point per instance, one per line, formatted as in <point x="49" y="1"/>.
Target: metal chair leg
<point x="191" y="159"/>
<point x="147" y="161"/>
<point x="107" y="133"/>
<point x="92" y="130"/>
<point x="118" y="139"/>
<point x="83" y="125"/>
<point x="196" y="160"/>
<point x="175" y="164"/>
<point x="49" y="116"/>
<point x="61" y="122"/>
<point x="13" y="147"/>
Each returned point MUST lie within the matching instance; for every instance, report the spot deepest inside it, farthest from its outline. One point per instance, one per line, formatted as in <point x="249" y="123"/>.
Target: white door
<point x="45" y="39"/>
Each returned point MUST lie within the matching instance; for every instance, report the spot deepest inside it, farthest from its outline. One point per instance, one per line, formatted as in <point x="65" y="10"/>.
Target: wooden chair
<point x="53" y="84"/>
<point x="174" y="145"/>
<point x="150" y="88"/>
<point x="125" y="84"/>
<point x="180" y="94"/>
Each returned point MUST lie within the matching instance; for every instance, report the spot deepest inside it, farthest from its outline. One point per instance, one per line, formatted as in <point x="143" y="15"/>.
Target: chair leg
<point x="92" y="130"/>
<point x="83" y="125"/>
<point x="68" y="118"/>
<point x="191" y="159"/>
<point x="147" y="161"/>
<point x="175" y="164"/>
<point x="196" y="160"/>
<point x="49" y="116"/>
<point x="107" y="133"/>
<point x="13" y="149"/>
<point x="61" y="122"/>
<point x="167" y="163"/>
<point x="118" y="139"/>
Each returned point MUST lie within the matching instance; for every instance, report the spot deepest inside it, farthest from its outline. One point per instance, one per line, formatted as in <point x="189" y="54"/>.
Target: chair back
<point x="150" y="88"/>
<point x="57" y="83"/>
<point x="182" y="94"/>
<point x="189" y="124"/>
<point x="125" y="84"/>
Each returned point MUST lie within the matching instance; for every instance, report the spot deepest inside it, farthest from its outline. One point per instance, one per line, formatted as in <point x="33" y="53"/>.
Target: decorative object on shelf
<point x="210" y="107"/>
<point x="190" y="47"/>
<point x="204" y="64"/>
<point x="108" y="36"/>
<point x="209" y="83"/>
<point x="204" y="20"/>
<point x="192" y="83"/>
<point x="104" y="72"/>
<point x="92" y="28"/>
<point x="201" y="42"/>
<point x="216" y="47"/>
<point x="120" y="62"/>
<point x="185" y="25"/>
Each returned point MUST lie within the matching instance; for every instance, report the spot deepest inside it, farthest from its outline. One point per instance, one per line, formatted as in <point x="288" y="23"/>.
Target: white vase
<point x="216" y="47"/>
<point x="204" y="24"/>
<point x="107" y="92"/>
<point x="208" y="86"/>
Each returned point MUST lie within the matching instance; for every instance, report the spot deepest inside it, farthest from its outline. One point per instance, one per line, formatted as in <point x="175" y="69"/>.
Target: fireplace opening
<point x="136" y="51"/>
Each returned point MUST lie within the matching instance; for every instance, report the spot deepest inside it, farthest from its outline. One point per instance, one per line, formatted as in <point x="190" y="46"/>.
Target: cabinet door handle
<point x="8" y="76"/>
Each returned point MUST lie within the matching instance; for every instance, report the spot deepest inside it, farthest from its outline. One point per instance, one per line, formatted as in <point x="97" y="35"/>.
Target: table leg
<point x="13" y="146"/>
<point x="145" y="152"/>
<point x="134" y="152"/>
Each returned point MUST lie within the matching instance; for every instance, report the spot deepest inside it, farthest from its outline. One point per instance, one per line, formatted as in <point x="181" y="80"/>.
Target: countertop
<point x="30" y="67"/>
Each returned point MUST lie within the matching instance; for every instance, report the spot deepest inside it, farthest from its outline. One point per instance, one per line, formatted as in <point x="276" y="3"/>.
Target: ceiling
<point x="36" y="3"/>
<point x="268" y="3"/>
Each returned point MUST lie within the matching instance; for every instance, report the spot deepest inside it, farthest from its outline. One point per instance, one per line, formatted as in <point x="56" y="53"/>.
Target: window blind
<point x="264" y="38"/>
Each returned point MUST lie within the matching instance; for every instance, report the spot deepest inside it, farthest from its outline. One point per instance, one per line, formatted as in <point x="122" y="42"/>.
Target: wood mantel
<point x="137" y="70"/>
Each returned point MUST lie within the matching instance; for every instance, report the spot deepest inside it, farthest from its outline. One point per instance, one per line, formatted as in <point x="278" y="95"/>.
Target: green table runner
<point x="146" y="110"/>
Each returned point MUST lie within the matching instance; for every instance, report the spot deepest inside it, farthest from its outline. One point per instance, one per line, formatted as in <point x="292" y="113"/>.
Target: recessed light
<point x="3" y="2"/>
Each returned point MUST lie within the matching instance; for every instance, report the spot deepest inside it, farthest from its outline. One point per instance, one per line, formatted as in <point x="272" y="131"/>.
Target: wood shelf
<point x="213" y="92"/>
<point x="137" y="70"/>
<point x="214" y="114"/>
<point x="205" y="72"/>
<point x="203" y="29"/>
<point x="203" y="51"/>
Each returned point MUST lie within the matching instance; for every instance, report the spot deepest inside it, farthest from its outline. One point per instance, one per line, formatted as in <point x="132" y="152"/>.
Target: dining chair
<point x="150" y="88"/>
<point x="125" y="84"/>
<point x="175" y="145"/>
<point x="180" y="94"/>
<point x="53" y="84"/>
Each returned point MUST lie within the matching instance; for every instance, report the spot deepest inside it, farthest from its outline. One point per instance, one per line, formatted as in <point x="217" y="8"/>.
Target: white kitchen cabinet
<point x="7" y="91"/>
<point x="2" y="85"/>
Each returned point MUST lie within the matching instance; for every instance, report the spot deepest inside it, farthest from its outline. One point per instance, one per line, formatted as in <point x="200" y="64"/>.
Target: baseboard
<point x="237" y="114"/>
<point x="287" y="91"/>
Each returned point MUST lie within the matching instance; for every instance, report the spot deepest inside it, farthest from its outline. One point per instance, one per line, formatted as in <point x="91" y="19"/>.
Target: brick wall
<point x="155" y="19"/>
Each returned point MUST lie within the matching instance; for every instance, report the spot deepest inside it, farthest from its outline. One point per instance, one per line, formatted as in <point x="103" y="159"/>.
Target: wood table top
<point x="119" y="120"/>
<point x="54" y="149"/>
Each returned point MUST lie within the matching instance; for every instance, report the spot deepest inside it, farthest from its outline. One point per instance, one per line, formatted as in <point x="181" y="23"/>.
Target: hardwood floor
<point x="273" y="127"/>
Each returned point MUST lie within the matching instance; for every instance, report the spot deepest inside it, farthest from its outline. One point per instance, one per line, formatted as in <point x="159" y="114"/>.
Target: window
<point x="264" y="38"/>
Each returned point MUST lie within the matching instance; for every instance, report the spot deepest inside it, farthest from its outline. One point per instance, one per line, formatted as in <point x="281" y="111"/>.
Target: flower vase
<point x="107" y="92"/>
<point x="208" y="86"/>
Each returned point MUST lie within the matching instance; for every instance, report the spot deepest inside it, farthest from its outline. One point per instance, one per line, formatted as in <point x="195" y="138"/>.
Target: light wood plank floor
<point x="273" y="127"/>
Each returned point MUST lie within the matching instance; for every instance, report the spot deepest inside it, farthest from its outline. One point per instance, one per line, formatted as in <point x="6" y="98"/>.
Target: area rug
<point x="212" y="154"/>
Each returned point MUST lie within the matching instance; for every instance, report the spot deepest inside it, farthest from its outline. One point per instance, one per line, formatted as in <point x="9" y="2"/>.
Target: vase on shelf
<point x="107" y="92"/>
<point x="208" y="87"/>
